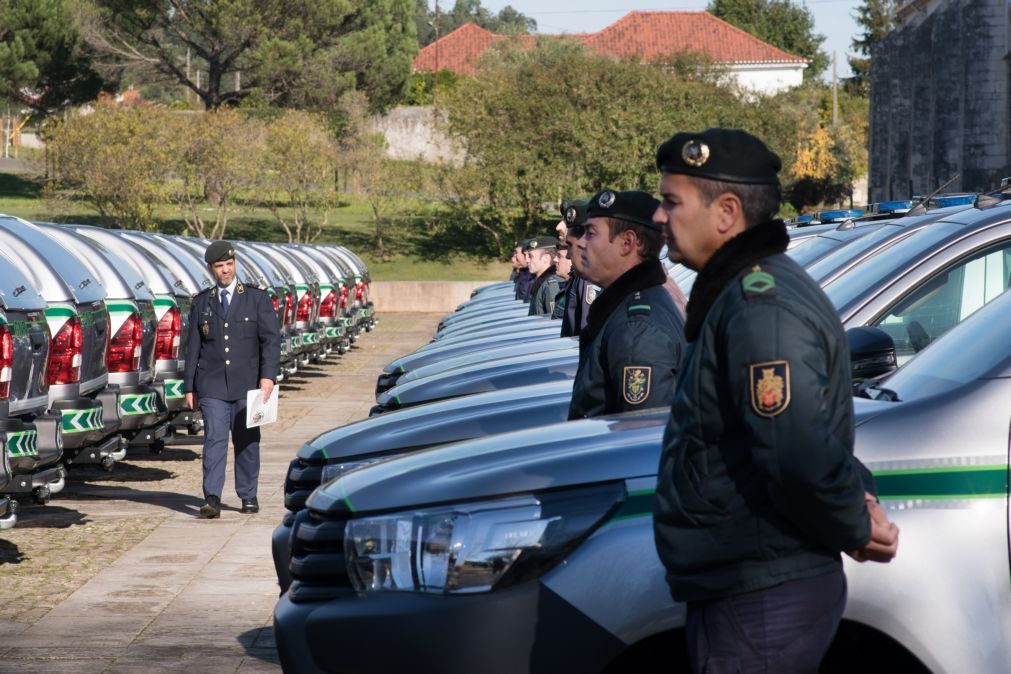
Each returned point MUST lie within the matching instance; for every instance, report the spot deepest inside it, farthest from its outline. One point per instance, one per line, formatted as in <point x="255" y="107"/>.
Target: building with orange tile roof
<point x="755" y="64"/>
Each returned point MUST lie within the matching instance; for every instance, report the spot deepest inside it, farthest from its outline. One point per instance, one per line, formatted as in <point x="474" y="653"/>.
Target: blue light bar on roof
<point x="827" y="217"/>
<point x="890" y="207"/>
<point x="803" y="219"/>
<point x="946" y="200"/>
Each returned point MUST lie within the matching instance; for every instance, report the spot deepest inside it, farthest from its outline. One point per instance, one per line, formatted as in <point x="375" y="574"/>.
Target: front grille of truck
<point x="317" y="565"/>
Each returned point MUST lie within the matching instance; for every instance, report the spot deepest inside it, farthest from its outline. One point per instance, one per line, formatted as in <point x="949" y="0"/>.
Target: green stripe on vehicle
<point x="132" y="404"/>
<point x="164" y="302"/>
<point x="23" y="443"/>
<point x="944" y="483"/>
<point x="174" y="389"/>
<point x="59" y="312"/>
<point x="121" y="307"/>
<point x="80" y="421"/>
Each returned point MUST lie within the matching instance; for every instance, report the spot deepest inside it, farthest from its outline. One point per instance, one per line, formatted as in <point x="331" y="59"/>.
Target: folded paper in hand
<point x="258" y="412"/>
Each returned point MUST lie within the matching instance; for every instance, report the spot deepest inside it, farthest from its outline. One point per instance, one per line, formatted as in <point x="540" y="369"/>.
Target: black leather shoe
<point x="250" y="505"/>
<point x="212" y="508"/>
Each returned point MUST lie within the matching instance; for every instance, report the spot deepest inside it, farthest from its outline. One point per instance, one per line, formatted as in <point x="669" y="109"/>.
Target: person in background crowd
<point x="541" y="259"/>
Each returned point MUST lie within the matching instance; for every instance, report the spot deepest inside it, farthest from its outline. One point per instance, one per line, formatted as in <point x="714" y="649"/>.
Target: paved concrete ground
<point x="117" y="574"/>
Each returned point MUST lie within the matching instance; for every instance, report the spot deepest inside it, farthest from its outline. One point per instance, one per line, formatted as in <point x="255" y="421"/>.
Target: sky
<point x="832" y="18"/>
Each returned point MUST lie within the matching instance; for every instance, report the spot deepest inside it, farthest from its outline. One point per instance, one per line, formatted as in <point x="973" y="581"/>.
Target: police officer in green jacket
<point x="542" y="255"/>
<point x="759" y="491"/>
<point x="631" y="346"/>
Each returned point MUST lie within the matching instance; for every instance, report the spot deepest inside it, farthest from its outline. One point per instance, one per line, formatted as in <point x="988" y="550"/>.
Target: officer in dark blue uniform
<point x="573" y="305"/>
<point x="234" y="347"/>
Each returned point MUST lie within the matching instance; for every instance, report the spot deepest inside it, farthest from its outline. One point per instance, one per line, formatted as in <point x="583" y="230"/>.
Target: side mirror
<point x="872" y="352"/>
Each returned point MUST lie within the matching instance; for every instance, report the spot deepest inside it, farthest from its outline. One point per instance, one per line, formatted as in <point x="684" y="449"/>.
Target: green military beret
<point x="219" y="251"/>
<point x="541" y="243"/>
<point x="634" y="207"/>
<point x="728" y="155"/>
<point x="574" y="212"/>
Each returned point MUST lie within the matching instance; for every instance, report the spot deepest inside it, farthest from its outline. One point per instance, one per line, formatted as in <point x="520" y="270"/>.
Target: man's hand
<point x="884" y="541"/>
<point x="192" y="401"/>
<point x="267" y="386"/>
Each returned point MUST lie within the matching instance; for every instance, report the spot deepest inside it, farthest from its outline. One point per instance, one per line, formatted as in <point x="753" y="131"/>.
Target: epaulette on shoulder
<point x="758" y="283"/>
<point x="638" y="306"/>
<point x="205" y="291"/>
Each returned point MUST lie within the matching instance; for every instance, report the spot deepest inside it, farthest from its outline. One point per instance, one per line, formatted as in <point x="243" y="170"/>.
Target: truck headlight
<point x="473" y="547"/>
<point x="335" y="470"/>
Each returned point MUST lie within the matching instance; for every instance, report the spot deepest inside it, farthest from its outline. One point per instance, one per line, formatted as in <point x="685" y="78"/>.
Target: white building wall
<point x="768" y="78"/>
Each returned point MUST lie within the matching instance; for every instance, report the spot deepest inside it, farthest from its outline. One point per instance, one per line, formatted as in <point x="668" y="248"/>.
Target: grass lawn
<point x="415" y="251"/>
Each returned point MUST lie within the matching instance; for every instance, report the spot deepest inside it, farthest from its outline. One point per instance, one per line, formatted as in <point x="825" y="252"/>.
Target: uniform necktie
<point x="224" y="301"/>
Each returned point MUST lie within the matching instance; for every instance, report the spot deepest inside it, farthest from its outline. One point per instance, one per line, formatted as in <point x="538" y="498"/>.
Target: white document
<point x="258" y="412"/>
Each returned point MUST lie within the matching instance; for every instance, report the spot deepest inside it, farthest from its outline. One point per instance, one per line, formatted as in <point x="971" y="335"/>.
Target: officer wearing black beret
<point x="234" y="347"/>
<point x="631" y="347"/>
<point x="758" y="488"/>
<point x="542" y="255"/>
<point x="573" y="305"/>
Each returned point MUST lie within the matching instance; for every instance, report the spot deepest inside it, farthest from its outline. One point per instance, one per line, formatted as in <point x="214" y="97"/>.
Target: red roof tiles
<point x="648" y="35"/>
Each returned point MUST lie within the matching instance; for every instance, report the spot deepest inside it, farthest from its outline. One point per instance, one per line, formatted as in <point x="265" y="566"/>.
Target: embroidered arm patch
<point x="769" y="385"/>
<point x="635" y="383"/>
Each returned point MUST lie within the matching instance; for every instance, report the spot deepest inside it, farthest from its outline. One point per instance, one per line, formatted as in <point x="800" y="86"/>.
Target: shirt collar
<point x="230" y="288"/>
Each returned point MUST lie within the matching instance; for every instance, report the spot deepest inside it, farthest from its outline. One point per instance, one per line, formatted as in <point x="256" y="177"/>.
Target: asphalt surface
<point x="118" y="574"/>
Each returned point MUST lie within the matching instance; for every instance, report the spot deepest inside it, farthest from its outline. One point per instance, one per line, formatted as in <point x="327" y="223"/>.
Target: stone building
<point x="939" y="99"/>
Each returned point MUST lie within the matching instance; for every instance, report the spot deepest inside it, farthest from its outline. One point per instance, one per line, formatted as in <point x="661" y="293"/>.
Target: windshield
<point x="843" y="291"/>
<point x="977" y="347"/>
<point x="845" y="255"/>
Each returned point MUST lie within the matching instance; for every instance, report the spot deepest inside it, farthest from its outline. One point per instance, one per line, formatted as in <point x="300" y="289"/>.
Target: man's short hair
<point x="650" y="239"/>
<point x="760" y="203"/>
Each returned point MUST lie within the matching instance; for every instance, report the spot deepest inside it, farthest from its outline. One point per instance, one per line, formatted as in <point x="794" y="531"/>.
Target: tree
<point x="553" y="122"/>
<point x="286" y="52"/>
<point x="298" y="167"/>
<point x="44" y="64"/>
<point x="507" y="22"/>
<point x="117" y="159"/>
<point x="212" y="164"/>
<point x="877" y="18"/>
<point x="781" y="23"/>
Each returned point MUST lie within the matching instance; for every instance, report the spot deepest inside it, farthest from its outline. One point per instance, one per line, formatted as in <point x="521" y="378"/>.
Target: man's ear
<point x="729" y="211"/>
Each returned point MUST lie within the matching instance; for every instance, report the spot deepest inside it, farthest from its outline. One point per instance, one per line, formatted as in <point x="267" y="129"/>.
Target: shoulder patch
<point x="769" y="385"/>
<point x="591" y="293"/>
<point x="758" y="283"/>
<point x="635" y="383"/>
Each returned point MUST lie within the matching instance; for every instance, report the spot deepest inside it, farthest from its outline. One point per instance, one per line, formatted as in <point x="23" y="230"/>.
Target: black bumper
<point x="280" y="548"/>
<point x="527" y="628"/>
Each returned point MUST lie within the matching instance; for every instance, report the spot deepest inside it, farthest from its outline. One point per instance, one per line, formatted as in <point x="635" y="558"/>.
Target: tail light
<point x="359" y="289"/>
<point x="289" y="308"/>
<point x="170" y="329"/>
<point x="329" y="305"/>
<point x="65" y="356"/>
<point x="274" y="301"/>
<point x="344" y="297"/>
<point x="6" y="361"/>
<point x="124" y="349"/>
<point x="304" y="305"/>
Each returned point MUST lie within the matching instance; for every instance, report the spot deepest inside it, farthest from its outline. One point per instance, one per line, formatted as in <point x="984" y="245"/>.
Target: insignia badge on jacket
<point x="758" y="282"/>
<point x="635" y="384"/>
<point x="205" y="328"/>
<point x="770" y="387"/>
<point x="590" y="294"/>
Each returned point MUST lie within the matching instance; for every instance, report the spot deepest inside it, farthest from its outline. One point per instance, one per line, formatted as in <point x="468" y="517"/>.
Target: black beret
<point x="541" y="242"/>
<point x="574" y="211"/>
<point x="634" y="207"/>
<point x="728" y="155"/>
<point x="219" y="251"/>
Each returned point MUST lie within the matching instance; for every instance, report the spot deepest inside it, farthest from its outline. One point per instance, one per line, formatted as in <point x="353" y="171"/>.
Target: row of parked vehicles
<point x="467" y="526"/>
<point x="93" y="330"/>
